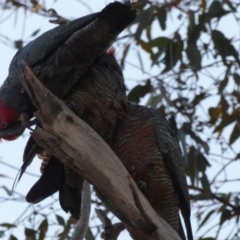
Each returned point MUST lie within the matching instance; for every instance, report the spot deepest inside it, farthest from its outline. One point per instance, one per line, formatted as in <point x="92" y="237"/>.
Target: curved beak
<point x="14" y="130"/>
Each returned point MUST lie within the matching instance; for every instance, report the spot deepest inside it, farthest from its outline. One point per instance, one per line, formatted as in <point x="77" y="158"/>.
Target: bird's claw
<point x="59" y="19"/>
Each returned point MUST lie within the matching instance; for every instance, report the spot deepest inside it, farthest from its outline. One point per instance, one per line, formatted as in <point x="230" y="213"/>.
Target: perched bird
<point x="149" y="149"/>
<point x="140" y="136"/>
<point x="99" y="99"/>
<point x="59" y="58"/>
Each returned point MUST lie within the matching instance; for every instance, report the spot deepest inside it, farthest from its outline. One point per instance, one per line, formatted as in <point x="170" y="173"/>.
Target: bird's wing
<point x="169" y="147"/>
<point x="48" y="183"/>
<point x="55" y="177"/>
<point x="118" y="15"/>
<point x="43" y="45"/>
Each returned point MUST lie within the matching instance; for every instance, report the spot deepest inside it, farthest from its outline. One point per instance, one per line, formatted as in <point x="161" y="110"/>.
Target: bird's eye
<point x="4" y="125"/>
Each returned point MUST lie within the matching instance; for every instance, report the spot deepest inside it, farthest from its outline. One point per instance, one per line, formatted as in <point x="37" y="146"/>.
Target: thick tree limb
<point x="72" y="141"/>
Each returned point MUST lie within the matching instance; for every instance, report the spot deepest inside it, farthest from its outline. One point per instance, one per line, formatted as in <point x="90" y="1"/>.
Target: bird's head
<point x="9" y="117"/>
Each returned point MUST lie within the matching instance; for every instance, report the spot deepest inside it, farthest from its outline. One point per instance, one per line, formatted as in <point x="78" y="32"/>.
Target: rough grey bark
<point x="72" y="141"/>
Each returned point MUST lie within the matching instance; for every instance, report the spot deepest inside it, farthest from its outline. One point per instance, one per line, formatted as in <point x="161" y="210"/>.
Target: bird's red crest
<point x="7" y="115"/>
<point x="111" y="51"/>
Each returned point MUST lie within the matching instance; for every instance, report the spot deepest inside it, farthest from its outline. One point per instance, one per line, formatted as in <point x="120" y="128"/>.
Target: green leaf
<point x="160" y="42"/>
<point x="226" y="120"/>
<point x="220" y="40"/>
<point x="139" y="92"/>
<point x="148" y="32"/>
<point x="202" y="163"/>
<point x="146" y="46"/>
<point x="140" y="7"/>
<point x="194" y="30"/>
<point x="206" y="185"/>
<point x="66" y="229"/>
<point x="194" y="56"/>
<point x="30" y="234"/>
<point x="162" y="17"/>
<point x="8" y="225"/>
<point x="191" y="18"/>
<point x="236" y="78"/>
<point x="237" y="201"/>
<point x="43" y="227"/>
<point x="89" y="235"/>
<point x="198" y="163"/>
<point x="236" y="95"/>
<point x="60" y="220"/>
<point x="198" y="98"/>
<point x="226" y="198"/>
<point x="209" y="214"/>
<point x="224" y="104"/>
<point x="203" y="5"/>
<point x="226" y="215"/>
<point x="214" y="113"/>
<point x="9" y="192"/>
<point x="125" y="52"/>
<point x="35" y="32"/>
<point x="235" y="133"/>
<point x="192" y="166"/>
<point x="145" y="17"/>
<point x="12" y="237"/>
<point x="173" y="124"/>
<point x="223" y="84"/>
<point x="187" y="128"/>
<point x="140" y="60"/>
<point x="173" y="55"/>
<point x="214" y="9"/>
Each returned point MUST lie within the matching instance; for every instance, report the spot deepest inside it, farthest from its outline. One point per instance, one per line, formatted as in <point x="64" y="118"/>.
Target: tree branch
<point x="214" y="196"/>
<point x="72" y="141"/>
<point x="111" y="231"/>
<point x="82" y="224"/>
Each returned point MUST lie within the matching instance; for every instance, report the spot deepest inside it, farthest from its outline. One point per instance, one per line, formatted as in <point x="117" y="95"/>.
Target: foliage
<point x="193" y="78"/>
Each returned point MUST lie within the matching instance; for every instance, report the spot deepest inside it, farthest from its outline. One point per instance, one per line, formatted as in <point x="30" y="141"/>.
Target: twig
<point x="16" y="168"/>
<point x="214" y="196"/>
<point x="111" y="231"/>
<point x="82" y="224"/>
